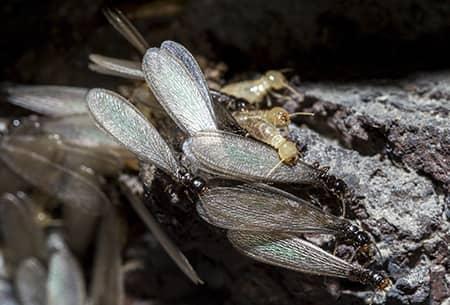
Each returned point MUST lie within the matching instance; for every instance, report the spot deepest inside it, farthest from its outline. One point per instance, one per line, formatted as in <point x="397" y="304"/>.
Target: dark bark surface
<point x="388" y="138"/>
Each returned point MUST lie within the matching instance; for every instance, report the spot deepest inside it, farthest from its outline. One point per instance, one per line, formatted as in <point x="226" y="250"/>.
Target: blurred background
<point x="49" y="41"/>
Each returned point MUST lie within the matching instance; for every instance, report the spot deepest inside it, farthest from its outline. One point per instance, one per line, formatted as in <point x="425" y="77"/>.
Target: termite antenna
<point x="274" y="168"/>
<point x="300" y="113"/>
<point x="299" y="95"/>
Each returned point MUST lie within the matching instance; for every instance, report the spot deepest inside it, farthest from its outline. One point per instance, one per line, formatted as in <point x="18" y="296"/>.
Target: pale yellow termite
<point x="264" y="125"/>
<point x="254" y="91"/>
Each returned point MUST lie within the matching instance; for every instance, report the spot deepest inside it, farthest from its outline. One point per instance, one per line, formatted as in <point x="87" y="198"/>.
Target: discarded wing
<point x="65" y="283"/>
<point x="69" y="156"/>
<point x="22" y="236"/>
<point x="30" y="282"/>
<point x="288" y="251"/>
<point x="54" y="101"/>
<point x="79" y="130"/>
<point x="107" y="280"/>
<point x="67" y="185"/>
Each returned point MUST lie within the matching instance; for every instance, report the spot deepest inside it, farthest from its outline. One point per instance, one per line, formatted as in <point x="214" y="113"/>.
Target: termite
<point x="254" y="91"/>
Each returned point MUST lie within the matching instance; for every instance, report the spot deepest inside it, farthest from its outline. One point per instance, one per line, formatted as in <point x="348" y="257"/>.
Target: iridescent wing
<point x="65" y="284"/>
<point x="233" y="156"/>
<point x="130" y="128"/>
<point x="178" y="84"/>
<point x="259" y="207"/>
<point x="30" y="281"/>
<point x="55" y="180"/>
<point x="55" y="101"/>
<point x="116" y="67"/>
<point x="289" y="252"/>
<point x="122" y="25"/>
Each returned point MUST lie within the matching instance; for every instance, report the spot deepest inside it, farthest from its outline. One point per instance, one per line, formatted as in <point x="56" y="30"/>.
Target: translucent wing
<point x="67" y="185"/>
<point x="22" y="237"/>
<point x="176" y="85"/>
<point x="289" y="252"/>
<point x="233" y="156"/>
<point x="122" y="25"/>
<point x="30" y="282"/>
<point x="69" y="156"/>
<point x="258" y="207"/>
<point x="129" y="127"/>
<point x="55" y="101"/>
<point x="65" y="284"/>
<point x="116" y="67"/>
<point x="184" y="56"/>
<point x="107" y="281"/>
<point x="79" y="130"/>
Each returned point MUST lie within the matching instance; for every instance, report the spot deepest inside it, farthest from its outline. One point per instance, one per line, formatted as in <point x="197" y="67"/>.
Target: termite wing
<point x="261" y="208"/>
<point x="130" y="128"/>
<point x="294" y="253"/>
<point x="107" y="285"/>
<point x="179" y="85"/>
<point x="65" y="282"/>
<point x="52" y="101"/>
<point x="30" y="282"/>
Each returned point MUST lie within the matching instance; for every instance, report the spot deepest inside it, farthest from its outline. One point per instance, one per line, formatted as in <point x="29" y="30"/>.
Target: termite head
<point x="288" y="152"/>
<point x="279" y="117"/>
<point x="194" y="183"/>
<point x="379" y="280"/>
<point x="276" y="79"/>
<point x="359" y="238"/>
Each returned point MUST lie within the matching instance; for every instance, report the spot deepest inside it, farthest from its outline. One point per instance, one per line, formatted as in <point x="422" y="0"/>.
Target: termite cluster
<point x="234" y="163"/>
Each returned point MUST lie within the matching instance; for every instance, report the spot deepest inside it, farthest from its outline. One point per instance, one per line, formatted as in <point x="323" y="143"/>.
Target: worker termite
<point x="254" y="91"/>
<point x="264" y="125"/>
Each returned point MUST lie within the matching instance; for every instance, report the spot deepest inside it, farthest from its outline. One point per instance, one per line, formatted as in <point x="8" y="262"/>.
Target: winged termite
<point x="30" y="280"/>
<point x="65" y="283"/>
<point x="69" y="186"/>
<point x="254" y="91"/>
<point x="259" y="207"/>
<point x="22" y="236"/>
<point x="178" y="84"/>
<point x="128" y="126"/>
<point x="53" y="101"/>
<point x="291" y="252"/>
<point x="107" y="280"/>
